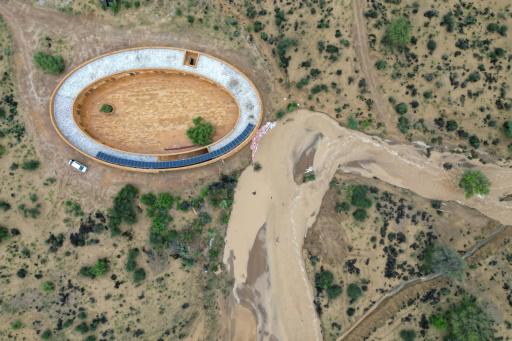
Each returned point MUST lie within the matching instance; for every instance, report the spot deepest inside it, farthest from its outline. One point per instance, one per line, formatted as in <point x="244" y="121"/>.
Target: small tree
<point x="398" y="33"/>
<point x="507" y="126"/>
<point x="354" y="292"/>
<point x="202" y="132"/>
<point x="444" y="260"/>
<point x="407" y="334"/>
<point x="474" y="182"/>
<point x="49" y="63"/>
<point x="106" y="108"/>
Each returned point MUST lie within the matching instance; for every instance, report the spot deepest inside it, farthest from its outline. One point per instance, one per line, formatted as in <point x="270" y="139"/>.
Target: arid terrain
<point x="329" y="233"/>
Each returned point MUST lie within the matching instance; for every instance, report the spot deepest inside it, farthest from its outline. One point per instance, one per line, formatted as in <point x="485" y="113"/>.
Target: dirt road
<point x="271" y="198"/>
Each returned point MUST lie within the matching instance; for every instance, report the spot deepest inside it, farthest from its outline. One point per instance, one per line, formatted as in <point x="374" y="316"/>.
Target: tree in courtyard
<point x="49" y="63"/>
<point x="474" y="182"/>
<point x="202" y="132"/>
<point x="398" y="33"/>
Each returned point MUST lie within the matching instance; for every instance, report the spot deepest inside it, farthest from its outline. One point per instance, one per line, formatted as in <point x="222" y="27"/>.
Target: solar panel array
<point x="178" y="163"/>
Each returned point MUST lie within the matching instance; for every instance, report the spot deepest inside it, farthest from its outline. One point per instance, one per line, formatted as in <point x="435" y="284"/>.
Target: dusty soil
<point x="316" y="55"/>
<point x="142" y="122"/>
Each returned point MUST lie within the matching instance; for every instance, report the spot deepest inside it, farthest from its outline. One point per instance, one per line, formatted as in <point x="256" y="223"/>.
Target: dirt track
<point x="271" y="197"/>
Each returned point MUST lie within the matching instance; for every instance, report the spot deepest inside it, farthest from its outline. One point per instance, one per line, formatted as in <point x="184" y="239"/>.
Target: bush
<point x="333" y="291"/>
<point x="106" y="108"/>
<point x="358" y="196"/>
<point x="323" y="280"/>
<point x="48" y="63"/>
<point x="100" y="268"/>
<point x="439" y="321"/>
<point x="474" y="182"/>
<point x="466" y="321"/>
<point x="46" y="335"/>
<point x="431" y="45"/>
<point x="401" y="108"/>
<point x="30" y="165"/>
<point x="474" y="141"/>
<point x="507" y="126"/>
<point x="408" y="334"/>
<point x="139" y="275"/>
<point x="403" y="124"/>
<point x="444" y="260"/>
<point x="123" y="209"/>
<point x="201" y="133"/>
<point x="342" y="207"/>
<point x="131" y="261"/>
<point x="398" y="33"/>
<point x="15" y="325"/>
<point x="381" y="64"/>
<point x="47" y="287"/>
<point x="354" y="292"/>
<point x="360" y="214"/>
<point x="4" y="233"/>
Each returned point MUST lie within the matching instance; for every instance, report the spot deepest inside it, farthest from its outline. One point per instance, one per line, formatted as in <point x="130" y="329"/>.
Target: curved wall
<point x="236" y="83"/>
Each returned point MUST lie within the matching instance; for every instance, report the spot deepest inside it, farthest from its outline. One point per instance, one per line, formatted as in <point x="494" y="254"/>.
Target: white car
<point x="78" y="166"/>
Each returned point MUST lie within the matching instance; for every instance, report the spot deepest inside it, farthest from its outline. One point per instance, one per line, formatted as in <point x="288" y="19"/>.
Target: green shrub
<point x="474" y="182"/>
<point x="49" y="63"/>
<point x="507" y="126"/>
<point x="2" y="150"/>
<point x="323" y="280"/>
<point x="106" y="108"/>
<point x="381" y="64"/>
<point x="358" y="196"/>
<point x="354" y="292"/>
<point x="4" y="233"/>
<point x="201" y="133"/>
<point x="442" y="259"/>
<point x="139" y="275"/>
<point x="46" y="335"/>
<point x="100" y="268"/>
<point x="123" y="209"/>
<point x="407" y="334"/>
<point x="398" y="33"/>
<point x="30" y="165"/>
<point x="342" y="207"/>
<point x="334" y="291"/>
<point x="466" y="321"/>
<point x="4" y="205"/>
<point x="403" y="124"/>
<point x="439" y="321"/>
<point x="47" y="286"/>
<point x="431" y="45"/>
<point x="302" y="82"/>
<point x="401" y="108"/>
<point x="17" y="324"/>
<point x="131" y="260"/>
<point x="360" y="214"/>
<point x="282" y="47"/>
<point x="82" y="328"/>
<point x="73" y="208"/>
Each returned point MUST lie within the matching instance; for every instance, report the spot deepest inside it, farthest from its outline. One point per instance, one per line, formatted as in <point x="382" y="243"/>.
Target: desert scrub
<point x="474" y="182"/>
<point x="52" y="64"/>
<point x="100" y="268"/>
<point x="123" y="210"/>
<point x="47" y="287"/>
<point x="465" y="320"/>
<point x="398" y="34"/>
<point x="30" y="165"/>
